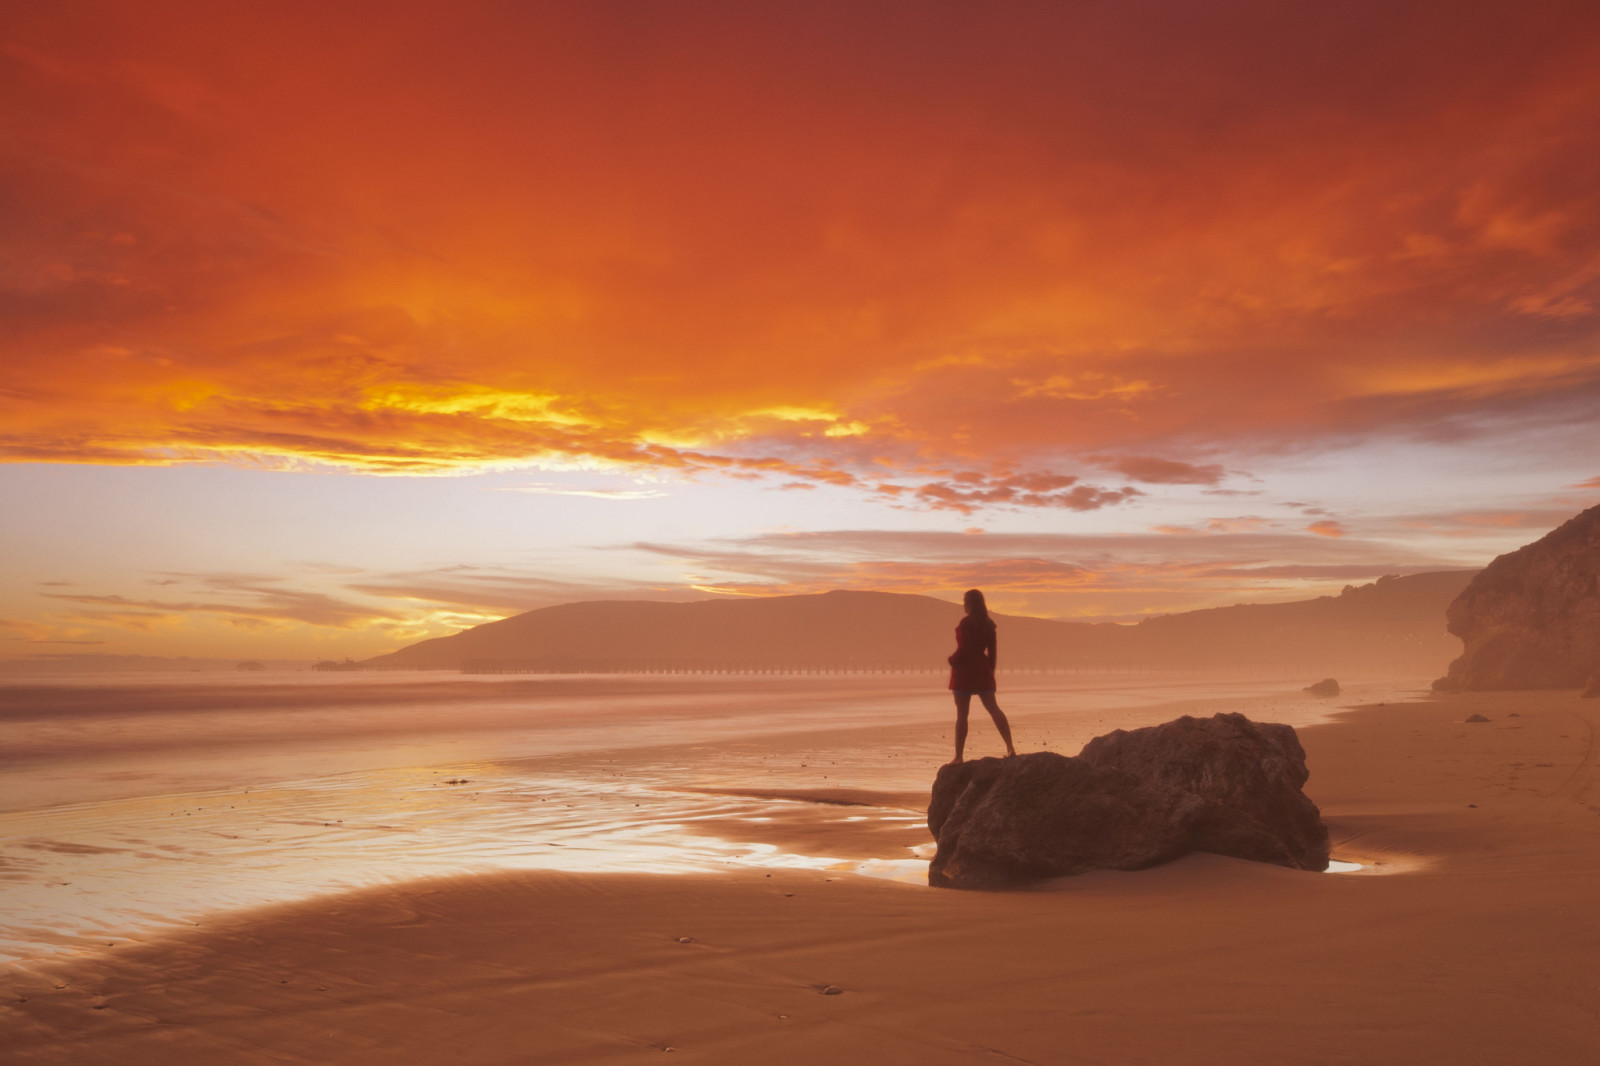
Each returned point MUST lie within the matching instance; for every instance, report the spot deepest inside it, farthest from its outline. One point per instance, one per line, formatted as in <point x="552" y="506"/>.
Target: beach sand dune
<point x="1470" y="936"/>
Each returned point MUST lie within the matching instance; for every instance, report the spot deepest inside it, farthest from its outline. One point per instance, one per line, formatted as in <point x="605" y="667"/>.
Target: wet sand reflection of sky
<point x="164" y="860"/>
<point x="796" y="790"/>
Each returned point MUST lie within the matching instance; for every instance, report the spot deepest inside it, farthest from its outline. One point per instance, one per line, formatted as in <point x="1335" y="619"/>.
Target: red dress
<point x="972" y="665"/>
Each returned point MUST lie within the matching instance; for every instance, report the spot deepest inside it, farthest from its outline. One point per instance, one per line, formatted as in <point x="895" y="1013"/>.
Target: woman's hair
<point x="976" y="608"/>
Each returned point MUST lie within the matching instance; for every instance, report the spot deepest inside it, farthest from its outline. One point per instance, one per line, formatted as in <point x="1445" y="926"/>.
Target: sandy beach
<point x="1468" y="936"/>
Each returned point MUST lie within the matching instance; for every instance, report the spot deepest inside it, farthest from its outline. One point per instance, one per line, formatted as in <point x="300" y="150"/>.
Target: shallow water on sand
<point x="137" y="804"/>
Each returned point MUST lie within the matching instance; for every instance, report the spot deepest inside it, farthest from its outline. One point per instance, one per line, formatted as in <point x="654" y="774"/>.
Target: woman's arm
<point x="993" y="648"/>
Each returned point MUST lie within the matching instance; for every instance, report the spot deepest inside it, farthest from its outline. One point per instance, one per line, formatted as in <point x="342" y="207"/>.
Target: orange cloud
<point x="1047" y="574"/>
<point x="34" y="632"/>
<point x="969" y="491"/>
<point x="1161" y="471"/>
<point x="259" y="601"/>
<point x="1241" y="524"/>
<point x="1475" y="524"/>
<point x="565" y="236"/>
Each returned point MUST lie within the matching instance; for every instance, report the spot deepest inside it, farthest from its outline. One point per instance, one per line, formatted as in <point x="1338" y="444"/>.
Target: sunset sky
<point x="329" y="326"/>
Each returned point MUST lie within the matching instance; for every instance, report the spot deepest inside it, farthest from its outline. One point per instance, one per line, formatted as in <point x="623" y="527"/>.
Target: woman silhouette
<point x="972" y="670"/>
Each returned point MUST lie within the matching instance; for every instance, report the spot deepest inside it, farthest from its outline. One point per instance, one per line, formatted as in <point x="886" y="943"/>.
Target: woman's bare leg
<point x="963" y="705"/>
<point x="1000" y="722"/>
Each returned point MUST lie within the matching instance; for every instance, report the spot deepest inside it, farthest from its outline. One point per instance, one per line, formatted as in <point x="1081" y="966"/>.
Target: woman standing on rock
<point x="972" y="670"/>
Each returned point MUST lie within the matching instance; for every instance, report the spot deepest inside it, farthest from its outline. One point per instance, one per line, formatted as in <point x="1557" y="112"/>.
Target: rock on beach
<point x="1131" y="799"/>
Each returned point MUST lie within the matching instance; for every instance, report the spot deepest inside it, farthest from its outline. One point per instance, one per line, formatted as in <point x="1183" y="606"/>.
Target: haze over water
<point x="134" y="803"/>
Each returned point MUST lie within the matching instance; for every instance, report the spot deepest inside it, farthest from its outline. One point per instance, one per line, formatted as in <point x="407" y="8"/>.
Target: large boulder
<point x="1531" y="618"/>
<point x="1129" y="800"/>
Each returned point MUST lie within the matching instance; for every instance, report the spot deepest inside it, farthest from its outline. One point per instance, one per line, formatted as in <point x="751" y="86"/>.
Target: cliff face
<point x="1531" y="618"/>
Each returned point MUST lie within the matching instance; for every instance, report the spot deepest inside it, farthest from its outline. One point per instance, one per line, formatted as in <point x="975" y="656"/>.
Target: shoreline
<point x="1481" y="948"/>
<point x="642" y="788"/>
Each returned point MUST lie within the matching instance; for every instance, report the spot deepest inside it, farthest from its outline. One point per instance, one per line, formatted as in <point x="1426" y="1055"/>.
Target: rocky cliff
<point x="1531" y="618"/>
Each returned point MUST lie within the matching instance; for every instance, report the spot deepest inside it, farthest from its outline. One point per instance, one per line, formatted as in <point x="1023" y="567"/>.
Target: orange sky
<point x="948" y="259"/>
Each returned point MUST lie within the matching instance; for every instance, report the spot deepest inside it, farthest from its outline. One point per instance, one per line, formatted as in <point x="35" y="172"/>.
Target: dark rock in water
<point x="1326" y="687"/>
<point x="1593" y="691"/>
<point x="1477" y="718"/>
<point x="1129" y="800"/>
<point x="1531" y="618"/>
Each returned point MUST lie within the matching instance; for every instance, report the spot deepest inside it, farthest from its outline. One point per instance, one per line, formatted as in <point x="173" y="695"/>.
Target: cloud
<point x="1327" y="527"/>
<point x="1592" y="483"/>
<point x="1488" y="525"/>
<point x="253" y="601"/>
<point x="494" y="592"/>
<point x="545" y="489"/>
<point x="1241" y="524"/>
<point x="1022" y="242"/>
<point x="971" y="491"/>
<point x="1051" y="574"/>
<point x="1161" y="471"/>
<point x="30" y="631"/>
<point x="135" y="620"/>
<point x="77" y="642"/>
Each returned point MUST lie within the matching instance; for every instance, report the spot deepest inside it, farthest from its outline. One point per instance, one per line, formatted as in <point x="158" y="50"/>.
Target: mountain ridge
<point x="1393" y="625"/>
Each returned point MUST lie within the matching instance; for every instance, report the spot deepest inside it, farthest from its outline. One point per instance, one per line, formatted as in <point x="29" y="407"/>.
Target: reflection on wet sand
<point x="789" y="790"/>
<point x="155" y="858"/>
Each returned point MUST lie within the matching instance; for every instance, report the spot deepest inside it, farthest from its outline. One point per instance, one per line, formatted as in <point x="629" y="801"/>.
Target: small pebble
<point x="685" y="940"/>
<point x="833" y="990"/>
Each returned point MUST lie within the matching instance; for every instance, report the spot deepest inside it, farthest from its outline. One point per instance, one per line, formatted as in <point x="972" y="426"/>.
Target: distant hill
<point x="833" y="630"/>
<point x="1394" y="626"/>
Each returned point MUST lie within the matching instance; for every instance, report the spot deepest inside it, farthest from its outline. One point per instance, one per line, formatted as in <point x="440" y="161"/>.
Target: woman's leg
<point x="963" y="705"/>
<point x="999" y="717"/>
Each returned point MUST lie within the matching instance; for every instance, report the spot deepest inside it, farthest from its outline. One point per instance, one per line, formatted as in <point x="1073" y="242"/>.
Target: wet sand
<point x="145" y="805"/>
<point x="1469" y="936"/>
